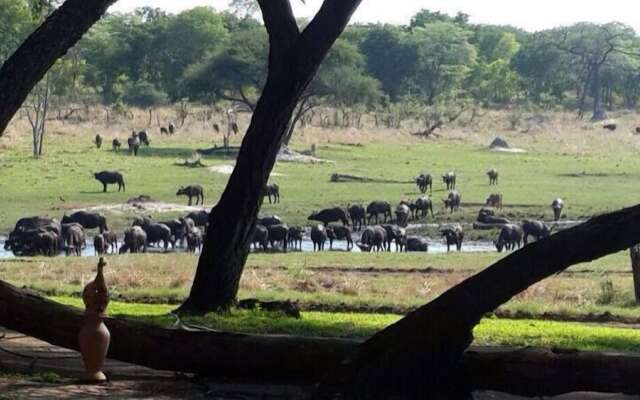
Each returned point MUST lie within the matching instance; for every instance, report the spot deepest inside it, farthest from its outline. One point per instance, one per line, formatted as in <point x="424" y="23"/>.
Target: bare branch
<point x="280" y="23"/>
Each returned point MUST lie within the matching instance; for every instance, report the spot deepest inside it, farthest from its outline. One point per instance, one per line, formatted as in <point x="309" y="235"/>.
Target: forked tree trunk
<point x="26" y="67"/>
<point x="634" y="252"/>
<point x="422" y="353"/>
<point x="293" y="61"/>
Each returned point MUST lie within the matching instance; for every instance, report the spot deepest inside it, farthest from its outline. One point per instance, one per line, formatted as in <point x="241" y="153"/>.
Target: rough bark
<point x="422" y="353"/>
<point x="26" y="67"/>
<point x="527" y="372"/>
<point x="293" y="61"/>
<point x="634" y="253"/>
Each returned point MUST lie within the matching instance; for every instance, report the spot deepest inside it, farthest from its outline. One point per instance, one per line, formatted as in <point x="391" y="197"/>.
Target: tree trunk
<point x="634" y="252"/>
<point x="599" y="113"/>
<point x="26" y="67"/>
<point x="422" y="353"/>
<point x="293" y="60"/>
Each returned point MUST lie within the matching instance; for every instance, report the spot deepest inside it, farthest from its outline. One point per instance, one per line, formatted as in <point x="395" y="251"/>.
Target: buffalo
<point x="111" y="241"/>
<point x="339" y="233"/>
<point x="373" y="237"/>
<point x="319" y="237"/>
<point x="328" y="215"/>
<point x="115" y="145"/>
<point x="98" y="141"/>
<point x="510" y="238"/>
<point x="144" y="138"/>
<point x="74" y="238"/>
<point x="99" y="245"/>
<point x="487" y="216"/>
<point x="557" y="205"/>
<point x="397" y="234"/>
<point x="88" y="220"/>
<point x="494" y="200"/>
<point x="192" y="191"/>
<point x="376" y="208"/>
<point x="200" y="218"/>
<point x="358" y="216"/>
<point x="272" y="190"/>
<point x="158" y="233"/>
<point x="453" y="235"/>
<point x="424" y="182"/>
<point x="260" y="237"/>
<point x="278" y="234"/>
<point x="110" y="178"/>
<point x="449" y="179"/>
<point x="416" y="244"/>
<point x="270" y="221"/>
<point x="424" y="205"/>
<point x="21" y="239"/>
<point x="537" y="229"/>
<point x="194" y="240"/>
<point x="295" y="237"/>
<point x="135" y="240"/>
<point x="452" y="201"/>
<point x="493" y="176"/>
<point x="134" y="143"/>
<point x="402" y="214"/>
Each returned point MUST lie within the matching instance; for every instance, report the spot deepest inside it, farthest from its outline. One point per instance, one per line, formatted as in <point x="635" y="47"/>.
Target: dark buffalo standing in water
<point x="510" y="238"/>
<point x="270" y="221"/>
<point x="557" y="205"/>
<point x="397" y="234"/>
<point x="319" y="237"/>
<point x="200" y="218"/>
<point x="278" y="234"/>
<point x="403" y="211"/>
<point x="192" y="191"/>
<point x="74" y="238"/>
<point x="453" y="236"/>
<point x="158" y="233"/>
<point x="296" y="235"/>
<point x="358" y="216"/>
<point x="99" y="245"/>
<point x="416" y="244"/>
<point x="110" y="178"/>
<point x="537" y="229"/>
<point x="25" y="239"/>
<point x="493" y="176"/>
<point x="272" y="190"/>
<point x="335" y="214"/>
<point x="194" y="240"/>
<point x="487" y="216"/>
<point x="135" y="240"/>
<point x="424" y="182"/>
<point x="376" y="208"/>
<point x="260" y="237"/>
<point x="111" y="241"/>
<point x="178" y="229"/>
<point x="88" y="220"/>
<point x="452" y="201"/>
<point x="449" y="179"/>
<point x="339" y="233"/>
<point x="372" y="238"/>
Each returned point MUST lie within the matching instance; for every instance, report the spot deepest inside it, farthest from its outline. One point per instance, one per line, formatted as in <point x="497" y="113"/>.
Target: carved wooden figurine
<point x="94" y="337"/>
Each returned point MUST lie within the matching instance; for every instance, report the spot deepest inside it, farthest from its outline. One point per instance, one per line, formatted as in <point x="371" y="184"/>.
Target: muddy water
<point x="435" y="246"/>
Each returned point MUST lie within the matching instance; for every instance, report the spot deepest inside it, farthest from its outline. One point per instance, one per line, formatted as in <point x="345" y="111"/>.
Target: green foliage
<point x="143" y="94"/>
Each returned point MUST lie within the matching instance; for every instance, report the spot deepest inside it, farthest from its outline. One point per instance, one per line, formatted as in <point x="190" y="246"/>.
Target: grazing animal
<point x="358" y="216"/>
<point x="319" y="237"/>
<point x="260" y="237"/>
<point x="110" y="178"/>
<point x="172" y="128"/>
<point x="194" y="240"/>
<point x="192" y="191"/>
<point x="452" y="201"/>
<point x="449" y="179"/>
<point x="424" y="205"/>
<point x="611" y="126"/>
<point x="115" y="145"/>
<point x="416" y="244"/>
<point x="335" y="214"/>
<point x="493" y="176"/>
<point x="270" y="221"/>
<point x="453" y="236"/>
<point x="272" y="190"/>
<point x="494" y="200"/>
<point x="88" y="220"/>
<point x="296" y="235"/>
<point x="394" y="233"/>
<point x="158" y="233"/>
<point x="144" y="138"/>
<point x="373" y="237"/>
<point x="402" y="214"/>
<point x="135" y="240"/>
<point x="340" y="233"/>
<point x="424" y="182"/>
<point x="510" y="238"/>
<point x="557" y="205"/>
<point x="537" y="229"/>
<point x="278" y="234"/>
<point x="163" y="131"/>
<point x="46" y="243"/>
<point x="134" y="143"/>
<point x="376" y="208"/>
<point x="111" y="241"/>
<point x="99" y="245"/>
<point x="98" y="140"/>
<point x="21" y="239"/>
<point x="74" y="238"/>
<point x="200" y="218"/>
<point x="179" y="229"/>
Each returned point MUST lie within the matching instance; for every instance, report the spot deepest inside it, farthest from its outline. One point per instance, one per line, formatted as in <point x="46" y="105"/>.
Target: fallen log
<point x="523" y="371"/>
<point x="218" y="150"/>
<point x="486" y="226"/>
<point x="338" y="178"/>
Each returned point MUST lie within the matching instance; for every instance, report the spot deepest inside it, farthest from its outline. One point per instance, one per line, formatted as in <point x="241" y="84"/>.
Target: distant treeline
<point x="148" y="57"/>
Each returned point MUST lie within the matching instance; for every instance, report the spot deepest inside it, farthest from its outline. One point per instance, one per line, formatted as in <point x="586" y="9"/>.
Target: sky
<point x="531" y="15"/>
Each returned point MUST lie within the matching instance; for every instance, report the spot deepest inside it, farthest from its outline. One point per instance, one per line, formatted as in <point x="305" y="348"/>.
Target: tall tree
<point x="294" y="58"/>
<point x="60" y="31"/>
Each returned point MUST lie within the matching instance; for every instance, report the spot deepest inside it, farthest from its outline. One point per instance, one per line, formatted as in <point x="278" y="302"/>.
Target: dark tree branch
<point x="280" y="24"/>
<point x="26" y="67"/>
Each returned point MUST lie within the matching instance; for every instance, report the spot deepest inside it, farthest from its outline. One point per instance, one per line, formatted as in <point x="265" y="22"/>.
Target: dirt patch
<point x="141" y="207"/>
<point x="227" y="169"/>
<point x="288" y="155"/>
<point x="508" y="150"/>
